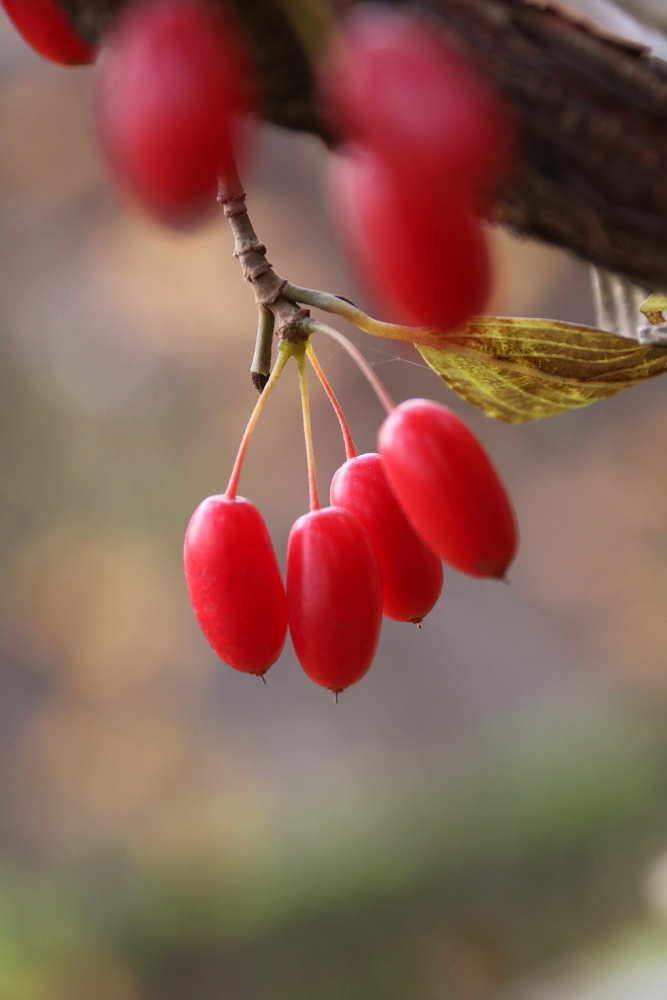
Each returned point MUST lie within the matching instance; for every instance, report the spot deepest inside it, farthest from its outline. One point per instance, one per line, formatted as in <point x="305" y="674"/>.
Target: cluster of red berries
<point x="426" y="142"/>
<point x="430" y="494"/>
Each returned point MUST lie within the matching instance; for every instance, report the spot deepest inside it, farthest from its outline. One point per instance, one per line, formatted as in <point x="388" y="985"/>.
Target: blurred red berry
<point x="423" y="252"/>
<point x="334" y="597"/>
<point x="396" y="83"/>
<point x="448" y="488"/>
<point x="172" y="87"/>
<point x="47" y="27"/>
<point x="234" y="583"/>
<point x="410" y="572"/>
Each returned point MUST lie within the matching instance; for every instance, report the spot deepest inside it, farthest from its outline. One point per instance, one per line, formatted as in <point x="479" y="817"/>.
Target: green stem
<point x="347" y="310"/>
<point x="307" y="430"/>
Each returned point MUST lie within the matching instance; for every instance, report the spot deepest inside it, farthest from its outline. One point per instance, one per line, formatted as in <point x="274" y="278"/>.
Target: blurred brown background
<point x="483" y="816"/>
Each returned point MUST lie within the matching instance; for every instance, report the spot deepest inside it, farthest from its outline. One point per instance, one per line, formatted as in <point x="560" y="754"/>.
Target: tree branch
<point x="593" y="118"/>
<point x="278" y="315"/>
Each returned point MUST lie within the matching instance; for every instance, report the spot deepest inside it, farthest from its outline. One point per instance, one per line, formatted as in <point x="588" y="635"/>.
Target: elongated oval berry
<point x="398" y="84"/>
<point x="410" y="572"/>
<point x="172" y="83"/>
<point x="234" y="583"/>
<point x="423" y="252"/>
<point x="47" y="27"/>
<point x="448" y="488"/>
<point x="334" y="597"/>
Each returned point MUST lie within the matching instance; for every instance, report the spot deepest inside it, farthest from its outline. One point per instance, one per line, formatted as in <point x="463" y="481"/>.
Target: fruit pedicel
<point x="425" y="144"/>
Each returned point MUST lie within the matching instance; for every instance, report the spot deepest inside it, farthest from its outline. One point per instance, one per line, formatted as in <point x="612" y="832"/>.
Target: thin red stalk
<point x="254" y="417"/>
<point x="350" y="450"/>
<point x="381" y="392"/>
<point x="308" y="434"/>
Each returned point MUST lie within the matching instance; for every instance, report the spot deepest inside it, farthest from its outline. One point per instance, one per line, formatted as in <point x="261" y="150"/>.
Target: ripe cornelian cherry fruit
<point x="334" y="597"/>
<point x="172" y="86"/>
<point x="410" y="572"/>
<point x="448" y="488"/>
<point x="47" y="27"/>
<point x="234" y="583"/>
<point x="424" y="254"/>
<point x="398" y="84"/>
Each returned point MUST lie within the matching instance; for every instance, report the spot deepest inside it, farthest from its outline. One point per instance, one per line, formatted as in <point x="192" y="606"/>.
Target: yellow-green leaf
<point x="523" y="369"/>
<point x="519" y="369"/>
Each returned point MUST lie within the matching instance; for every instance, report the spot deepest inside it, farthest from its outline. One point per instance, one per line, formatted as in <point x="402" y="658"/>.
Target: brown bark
<point x="593" y="118"/>
<point x="592" y="114"/>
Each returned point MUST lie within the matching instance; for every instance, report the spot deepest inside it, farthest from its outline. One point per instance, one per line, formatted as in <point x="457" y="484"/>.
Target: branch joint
<point x="294" y="327"/>
<point x="249" y="247"/>
<point x="233" y="204"/>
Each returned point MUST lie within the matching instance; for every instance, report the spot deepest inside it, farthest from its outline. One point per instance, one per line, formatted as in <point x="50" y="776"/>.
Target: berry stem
<point x="350" y="450"/>
<point x="312" y="326"/>
<point x="300" y="359"/>
<point x="284" y="353"/>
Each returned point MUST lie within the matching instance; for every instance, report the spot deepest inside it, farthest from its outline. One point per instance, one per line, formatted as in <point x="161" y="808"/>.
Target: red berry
<point x="397" y="84"/>
<point x="410" y="572"/>
<point x="172" y="83"/>
<point x="47" y="27"/>
<point x="334" y="598"/>
<point x="423" y="252"/>
<point x="448" y="488"/>
<point x="234" y="582"/>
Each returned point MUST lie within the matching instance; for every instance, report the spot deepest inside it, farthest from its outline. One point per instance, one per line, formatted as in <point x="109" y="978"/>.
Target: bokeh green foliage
<point x="465" y="878"/>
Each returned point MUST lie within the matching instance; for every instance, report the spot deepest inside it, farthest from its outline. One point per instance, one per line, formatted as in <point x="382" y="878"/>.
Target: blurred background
<point x="484" y="816"/>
